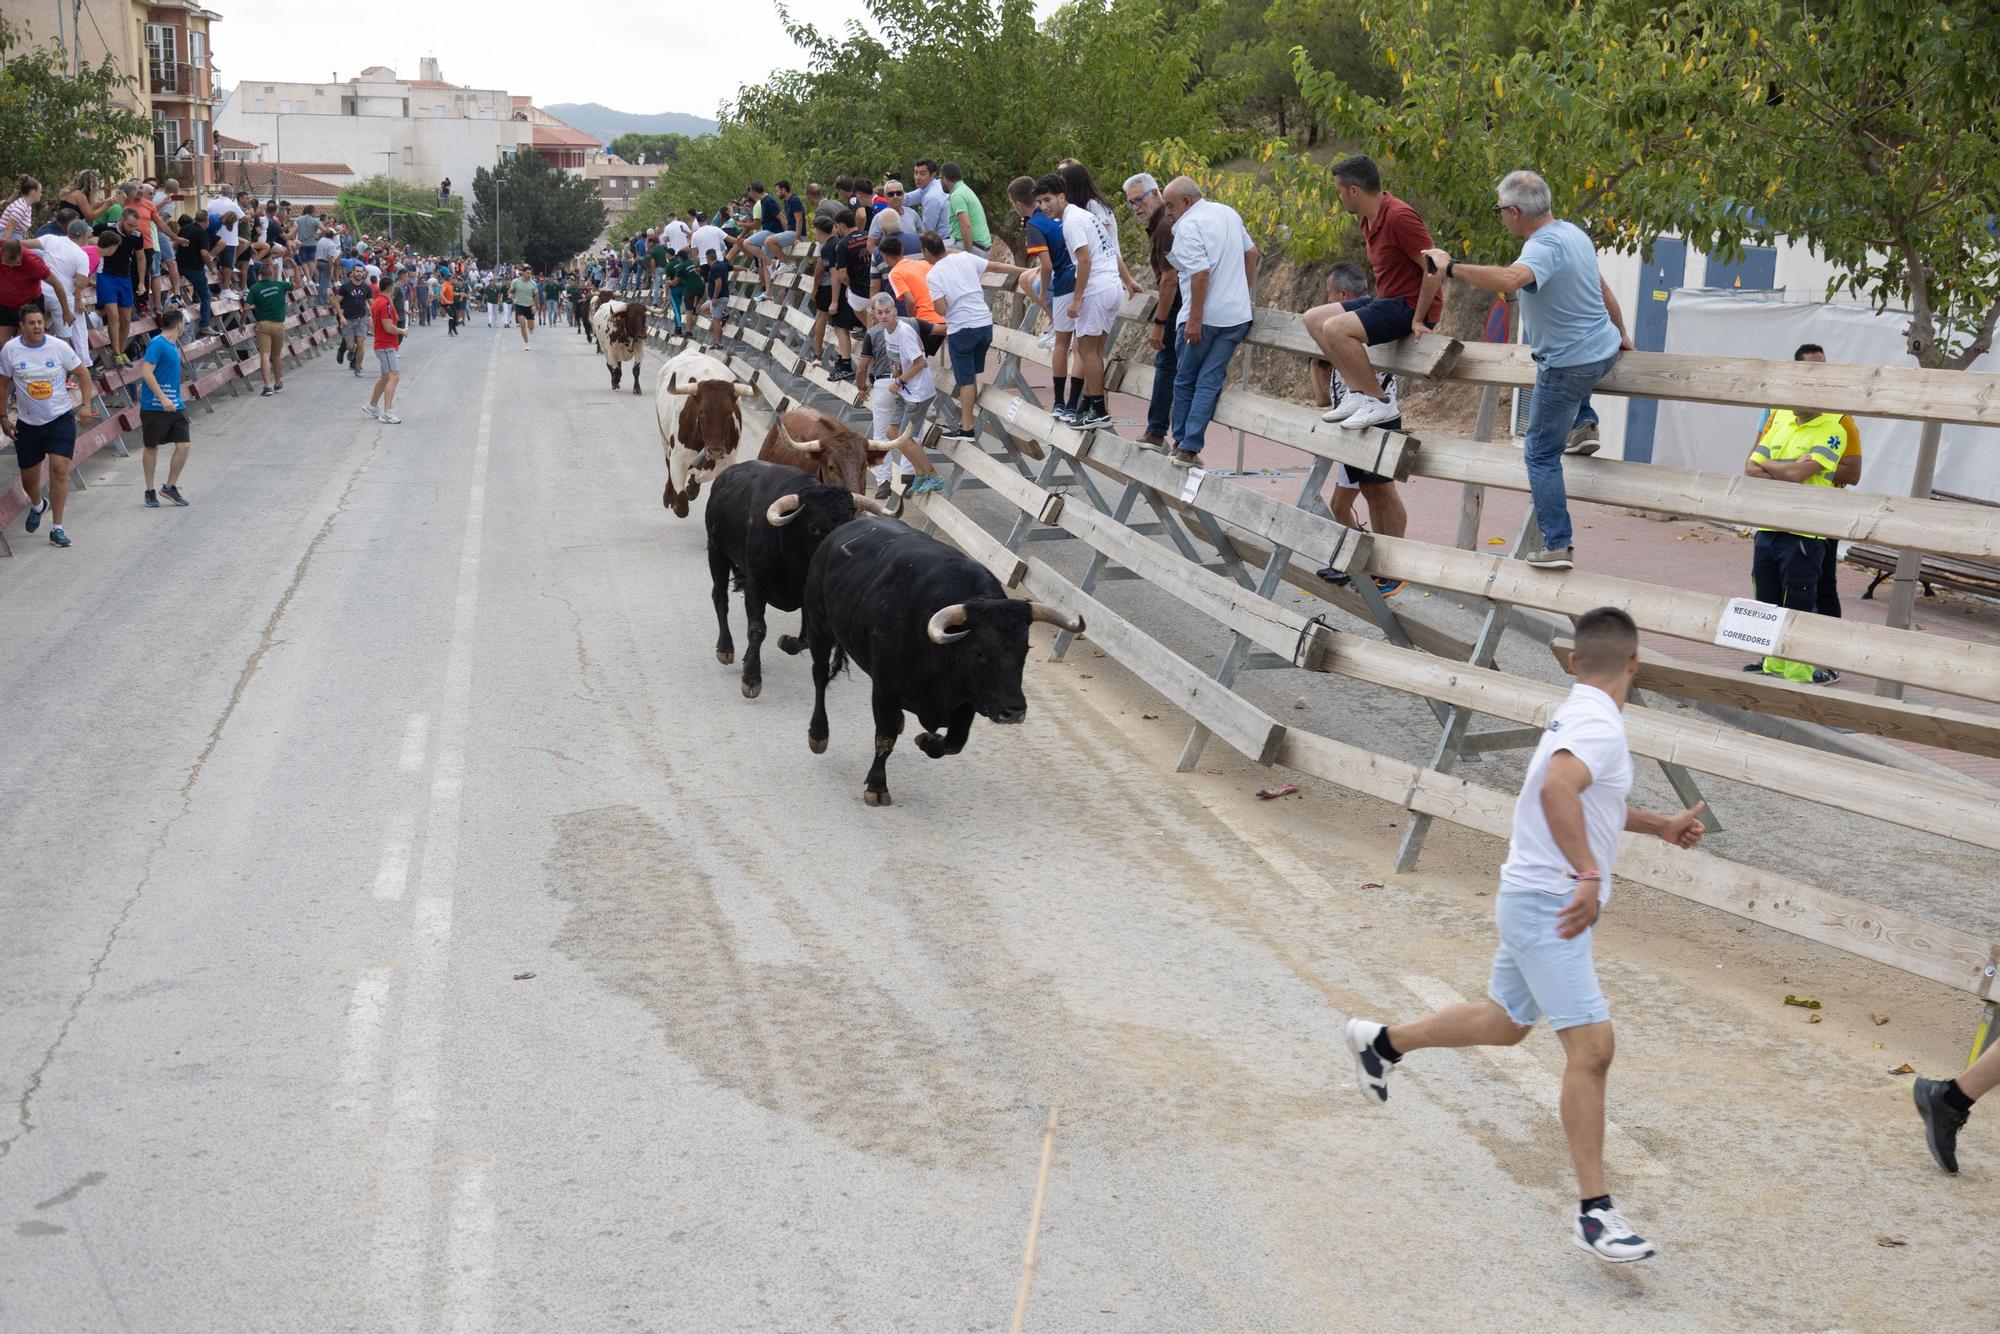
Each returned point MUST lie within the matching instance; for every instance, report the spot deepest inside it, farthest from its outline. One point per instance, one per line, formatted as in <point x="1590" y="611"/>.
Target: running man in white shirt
<point x="1554" y="885"/>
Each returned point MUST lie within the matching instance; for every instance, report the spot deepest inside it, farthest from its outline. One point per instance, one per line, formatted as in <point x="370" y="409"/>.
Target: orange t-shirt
<point x="149" y="218"/>
<point x="446" y="295"/>
<point x="912" y="280"/>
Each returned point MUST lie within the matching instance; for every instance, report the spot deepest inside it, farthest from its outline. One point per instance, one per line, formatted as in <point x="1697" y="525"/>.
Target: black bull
<point x="765" y="521"/>
<point x="933" y="629"/>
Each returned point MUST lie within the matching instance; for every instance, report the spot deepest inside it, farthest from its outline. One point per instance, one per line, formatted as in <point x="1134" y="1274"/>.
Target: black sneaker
<point x="267" y="392"/>
<point x="1335" y="577"/>
<point x="279" y="386"/>
<point x="1091" y="419"/>
<point x="173" y="493"/>
<point x="1064" y="413"/>
<point x="152" y="500"/>
<point x="35" y="513"/>
<point x="340" y="354"/>
<point x="955" y="433"/>
<point x="1824" y="676"/>
<point x="1756" y="666"/>
<point x="57" y="537"/>
<point x="1942" y="1122"/>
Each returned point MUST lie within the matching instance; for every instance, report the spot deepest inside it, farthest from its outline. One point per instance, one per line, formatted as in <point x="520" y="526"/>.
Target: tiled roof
<point x="292" y="184"/>
<point x="226" y="141"/>
<point x="562" y="136"/>
<point x="320" y="168"/>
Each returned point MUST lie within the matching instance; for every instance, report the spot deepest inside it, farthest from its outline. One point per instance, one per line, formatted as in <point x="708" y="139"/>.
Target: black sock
<point x="1075" y="397"/>
<point x="1954" y="1097"/>
<point x="1594" y="1202"/>
<point x="1384" y="1048"/>
<point x="1097" y="401"/>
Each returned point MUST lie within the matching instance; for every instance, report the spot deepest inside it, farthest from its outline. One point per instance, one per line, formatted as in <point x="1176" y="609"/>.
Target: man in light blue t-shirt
<point x="1575" y="328"/>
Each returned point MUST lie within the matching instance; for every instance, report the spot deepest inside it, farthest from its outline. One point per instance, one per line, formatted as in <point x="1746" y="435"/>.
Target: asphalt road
<point x="406" y="925"/>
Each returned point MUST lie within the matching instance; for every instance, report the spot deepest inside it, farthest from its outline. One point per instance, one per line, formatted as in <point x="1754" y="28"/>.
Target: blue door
<point x="1756" y="271"/>
<point x="1664" y="269"/>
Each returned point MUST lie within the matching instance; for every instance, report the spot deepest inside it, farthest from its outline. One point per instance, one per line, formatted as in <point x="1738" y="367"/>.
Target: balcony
<point x="182" y="81"/>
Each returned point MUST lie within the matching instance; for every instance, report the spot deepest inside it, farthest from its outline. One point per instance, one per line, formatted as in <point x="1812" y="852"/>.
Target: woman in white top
<point x="1082" y="191"/>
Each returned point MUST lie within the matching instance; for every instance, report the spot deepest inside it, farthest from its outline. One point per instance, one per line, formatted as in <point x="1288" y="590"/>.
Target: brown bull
<point x="814" y="442"/>
<point x="701" y="436"/>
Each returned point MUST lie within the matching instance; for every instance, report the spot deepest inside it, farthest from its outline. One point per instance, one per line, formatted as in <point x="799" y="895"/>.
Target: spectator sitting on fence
<point x="1346" y="282"/>
<point x="163" y="418"/>
<point x="48" y="387"/>
<point x="1216" y="264"/>
<point x="1396" y="239"/>
<point x="1847" y="474"/>
<point x="895" y="385"/>
<point x="1805" y="447"/>
<point x="1574" y="325"/>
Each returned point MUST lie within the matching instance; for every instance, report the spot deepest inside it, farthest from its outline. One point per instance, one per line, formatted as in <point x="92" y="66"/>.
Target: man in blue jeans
<point x="1142" y="194"/>
<point x="1574" y="326"/>
<point x="1215" y="263"/>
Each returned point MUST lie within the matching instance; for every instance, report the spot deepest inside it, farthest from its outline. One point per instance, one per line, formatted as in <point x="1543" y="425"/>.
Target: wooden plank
<point x="1431" y="358"/>
<point x="969" y="537"/>
<point x="1940" y="953"/>
<point x="1221" y="710"/>
<point x="1948" y="729"/>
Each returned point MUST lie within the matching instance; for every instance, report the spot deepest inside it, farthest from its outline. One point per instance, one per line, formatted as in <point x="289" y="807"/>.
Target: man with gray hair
<point x="1574" y="326"/>
<point x="1216" y="262"/>
<point x="1142" y="194"/>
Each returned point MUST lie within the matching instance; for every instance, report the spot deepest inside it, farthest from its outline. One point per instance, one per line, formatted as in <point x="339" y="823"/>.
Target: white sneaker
<point x="1372" y="412"/>
<point x="369" y="408"/>
<point x="1349" y="405"/>
<point x="1371" y="1072"/>
<point x="391" y="419"/>
<point x="1606" y="1235"/>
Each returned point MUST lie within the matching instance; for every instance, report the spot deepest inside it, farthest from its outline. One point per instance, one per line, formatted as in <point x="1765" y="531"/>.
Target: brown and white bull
<point x="620" y="328"/>
<point x="823" y="445"/>
<point x="701" y="423"/>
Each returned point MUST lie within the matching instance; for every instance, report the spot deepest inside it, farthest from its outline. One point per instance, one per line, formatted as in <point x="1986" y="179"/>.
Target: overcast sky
<point x="641" y="58"/>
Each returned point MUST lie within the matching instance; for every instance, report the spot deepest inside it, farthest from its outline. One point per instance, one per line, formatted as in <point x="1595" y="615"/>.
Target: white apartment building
<point x="421" y="131"/>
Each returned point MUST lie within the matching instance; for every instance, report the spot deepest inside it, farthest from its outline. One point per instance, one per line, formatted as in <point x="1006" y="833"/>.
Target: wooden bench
<point x="1966" y="576"/>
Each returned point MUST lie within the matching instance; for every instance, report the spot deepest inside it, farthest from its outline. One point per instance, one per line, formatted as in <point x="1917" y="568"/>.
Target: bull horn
<point x="674" y="385"/>
<point x="744" y="389"/>
<point x="803" y="447"/>
<point x="893" y="443"/>
<point x="944" y="627"/>
<point x="1047" y="615"/>
<point x="783" y="510"/>
<point x="868" y="505"/>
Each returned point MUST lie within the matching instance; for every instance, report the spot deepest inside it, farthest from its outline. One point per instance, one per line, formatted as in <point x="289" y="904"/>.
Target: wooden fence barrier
<point x="1225" y="550"/>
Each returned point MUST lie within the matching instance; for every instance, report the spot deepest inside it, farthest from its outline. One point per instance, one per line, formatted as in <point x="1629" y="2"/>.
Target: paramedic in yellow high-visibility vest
<point x="1800" y="570"/>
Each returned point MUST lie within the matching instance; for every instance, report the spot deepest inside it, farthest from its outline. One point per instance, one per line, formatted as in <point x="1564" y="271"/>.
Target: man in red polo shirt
<point x="1397" y="239"/>
<point x="388" y="344"/>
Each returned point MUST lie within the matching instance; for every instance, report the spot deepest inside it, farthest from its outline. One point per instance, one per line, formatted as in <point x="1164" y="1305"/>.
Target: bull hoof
<point x="725" y="656"/>
<point x="877" y="798"/>
<point x="791" y="644"/>
<point x="818" y="744"/>
<point x="931" y="744"/>
<point x="751" y="691"/>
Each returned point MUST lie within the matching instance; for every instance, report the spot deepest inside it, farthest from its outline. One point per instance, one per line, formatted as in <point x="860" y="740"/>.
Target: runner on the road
<point x="525" y="295"/>
<point x="48" y="386"/>
<point x="388" y="341"/>
<point x="354" y="296"/>
<point x="1554" y="884"/>
<point x="163" y="418"/>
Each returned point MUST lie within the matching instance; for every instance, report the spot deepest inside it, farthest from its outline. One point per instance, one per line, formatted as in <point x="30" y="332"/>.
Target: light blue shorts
<point x="1536" y="974"/>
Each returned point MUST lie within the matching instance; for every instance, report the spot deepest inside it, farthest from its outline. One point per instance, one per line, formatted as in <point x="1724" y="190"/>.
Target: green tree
<point x="368" y="206"/>
<point x="544" y="217"/>
<point x="1866" y="130"/>
<point x="712" y="170"/>
<point x="58" y="124"/>
<point x="650" y="147"/>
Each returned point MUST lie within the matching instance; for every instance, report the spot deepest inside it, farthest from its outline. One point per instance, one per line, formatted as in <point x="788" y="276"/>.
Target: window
<point x="269" y="88"/>
<point x="162" y="57"/>
<point x="407" y="158"/>
<point x="318" y="92"/>
<point x="200" y="129"/>
<point x="198" y="50"/>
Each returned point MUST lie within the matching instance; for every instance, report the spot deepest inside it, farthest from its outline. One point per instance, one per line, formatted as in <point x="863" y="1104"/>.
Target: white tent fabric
<point x="1716" y="323"/>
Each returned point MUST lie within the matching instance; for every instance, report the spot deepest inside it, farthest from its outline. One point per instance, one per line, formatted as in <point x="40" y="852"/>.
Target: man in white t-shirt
<point x="705" y="238"/>
<point x="894" y="383"/>
<point x="957" y="295"/>
<point x="1216" y="264"/>
<point x="1093" y="306"/>
<point x="224" y="215"/>
<point x="69" y="267"/>
<point x="1554" y="884"/>
<point x="676" y="234"/>
<point x="46" y="388"/>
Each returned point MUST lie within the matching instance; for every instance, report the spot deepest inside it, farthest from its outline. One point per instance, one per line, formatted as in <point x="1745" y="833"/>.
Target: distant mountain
<point x="606" y="124"/>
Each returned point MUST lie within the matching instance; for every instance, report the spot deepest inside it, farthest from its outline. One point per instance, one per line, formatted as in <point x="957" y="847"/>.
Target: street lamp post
<point x="387" y="154"/>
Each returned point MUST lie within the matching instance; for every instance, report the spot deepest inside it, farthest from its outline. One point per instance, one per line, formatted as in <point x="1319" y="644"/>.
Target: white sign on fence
<point x="1751" y="625"/>
<point x="1192" y="485"/>
<point x="1013" y="411"/>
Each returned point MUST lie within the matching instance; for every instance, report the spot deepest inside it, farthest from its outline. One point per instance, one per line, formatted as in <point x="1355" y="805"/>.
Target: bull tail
<point x="838" y="663"/>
